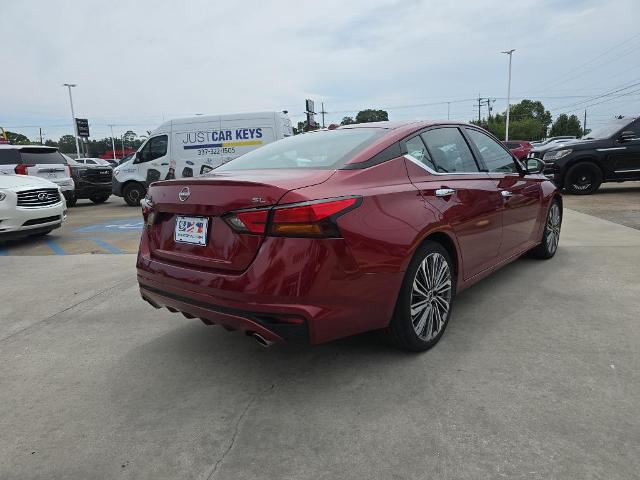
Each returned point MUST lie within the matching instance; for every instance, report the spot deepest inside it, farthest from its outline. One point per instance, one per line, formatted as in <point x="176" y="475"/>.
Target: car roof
<point x="20" y="147"/>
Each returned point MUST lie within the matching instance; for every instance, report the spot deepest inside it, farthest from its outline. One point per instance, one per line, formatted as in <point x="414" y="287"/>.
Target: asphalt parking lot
<point x="537" y="376"/>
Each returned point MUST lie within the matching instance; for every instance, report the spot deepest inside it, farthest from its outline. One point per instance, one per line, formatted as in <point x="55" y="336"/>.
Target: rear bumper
<point x="88" y="190"/>
<point x="296" y="290"/>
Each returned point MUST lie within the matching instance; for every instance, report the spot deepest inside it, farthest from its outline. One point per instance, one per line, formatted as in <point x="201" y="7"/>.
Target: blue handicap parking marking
<point x="133" y="224"/>
<point x="107" y="246"/>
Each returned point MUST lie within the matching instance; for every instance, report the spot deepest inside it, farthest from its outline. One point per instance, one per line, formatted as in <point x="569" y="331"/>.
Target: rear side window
<point x="9" y="157"/>
<point x="416" y="148"/>
<point x="37" y="156"/>
<point x="449" y="150"/>
<point x="495" y="157"/>
<point x="327" y="149"/>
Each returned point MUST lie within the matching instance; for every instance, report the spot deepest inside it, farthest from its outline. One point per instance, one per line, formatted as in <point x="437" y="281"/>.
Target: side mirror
<point x="138" y="158"/>
<point x="534" y="166"/>
<point x="626" y="136"/>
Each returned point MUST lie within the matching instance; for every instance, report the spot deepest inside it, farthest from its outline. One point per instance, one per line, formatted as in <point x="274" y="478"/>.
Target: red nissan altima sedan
<point x="336" y="232"/>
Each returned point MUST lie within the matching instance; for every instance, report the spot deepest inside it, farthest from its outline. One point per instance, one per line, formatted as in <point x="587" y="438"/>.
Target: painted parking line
<point x="57" y="249"/>
<point x="132" y="224"/>
<point x="106" y="245"/>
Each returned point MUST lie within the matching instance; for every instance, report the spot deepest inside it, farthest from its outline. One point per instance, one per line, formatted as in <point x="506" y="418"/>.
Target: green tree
<point x="371" y="115"/>
<point x="566" y="125"/>
<point x="67" y="144"/>
<point x="17" y="138"/>
<point x="528" y="120"/>
<point x="347" y="121"/>
<point x="51" y="143"/>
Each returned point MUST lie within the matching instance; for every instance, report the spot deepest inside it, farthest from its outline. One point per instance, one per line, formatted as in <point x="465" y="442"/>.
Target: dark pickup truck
<point x="92" y="182"/>
<point x="608" y="154"/>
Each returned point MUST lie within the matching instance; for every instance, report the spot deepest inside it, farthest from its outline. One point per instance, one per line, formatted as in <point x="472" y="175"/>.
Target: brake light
<point x="68" y="169"/>
<point x="312" y="219"/>
<point x="22" y="169"/>
<point x="307" y="219"/>
<point x="249" y="221"/>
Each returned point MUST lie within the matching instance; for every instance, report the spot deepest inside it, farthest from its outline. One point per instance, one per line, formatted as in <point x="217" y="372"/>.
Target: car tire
<point x="551" y="234"/>
<point x="424" y="304"/>
<point x="583" y="178"/>
<point x="71" y="201"/>
<point x="133" y="193"/>
<point x="98" y="200"/>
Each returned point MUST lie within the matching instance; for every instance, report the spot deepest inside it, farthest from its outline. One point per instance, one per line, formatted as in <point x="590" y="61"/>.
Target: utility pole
<point x="479" y="104"/>
<point x="41" y="134"/>
<point x="584" y="125"/>
<point x="322" y="112"/>
<point x="506" y="129"/>
<point x="448" y="110"/>
<point x="113" y="143"/>
<point x="73" y="117"/>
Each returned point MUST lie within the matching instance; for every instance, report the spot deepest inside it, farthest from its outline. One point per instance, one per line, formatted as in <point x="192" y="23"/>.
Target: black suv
<point x="608" y="154"/>
<point x="92" y="181"/>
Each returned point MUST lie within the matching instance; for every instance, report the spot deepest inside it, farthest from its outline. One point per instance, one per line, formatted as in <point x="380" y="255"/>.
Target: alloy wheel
<point x="553" y="228"/>
<point x="431" y="296"/>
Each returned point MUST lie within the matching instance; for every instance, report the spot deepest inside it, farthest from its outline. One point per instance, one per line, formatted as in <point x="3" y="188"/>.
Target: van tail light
<point x="307" y="219"/>
<point x="22" y="169"/>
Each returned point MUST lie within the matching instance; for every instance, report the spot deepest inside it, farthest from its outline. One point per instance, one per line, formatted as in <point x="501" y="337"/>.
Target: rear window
<point x="316" y="150"/>
<point x="9" y="156"/>
<point x="40" y="156"/>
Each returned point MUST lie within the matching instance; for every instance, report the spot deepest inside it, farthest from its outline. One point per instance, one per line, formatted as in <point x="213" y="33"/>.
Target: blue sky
<point x="137" y="63"/>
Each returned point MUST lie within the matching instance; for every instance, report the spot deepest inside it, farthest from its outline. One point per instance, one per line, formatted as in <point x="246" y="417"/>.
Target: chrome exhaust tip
<point x="261" y="340"/>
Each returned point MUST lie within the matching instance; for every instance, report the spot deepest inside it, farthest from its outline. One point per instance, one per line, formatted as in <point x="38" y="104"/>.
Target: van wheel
<point x="424" y="305"/>
<point x="583" y="179"/>
<point x="133" y="193"/>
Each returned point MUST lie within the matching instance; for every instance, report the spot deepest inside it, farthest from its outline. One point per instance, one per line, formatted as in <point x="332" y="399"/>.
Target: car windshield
<point x="608" y="130"/>
<point x="39" y="156"/>
<point x="326" y="149"/>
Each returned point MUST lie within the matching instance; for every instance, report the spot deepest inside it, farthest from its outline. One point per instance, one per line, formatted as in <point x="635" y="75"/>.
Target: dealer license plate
<point x="191" y="230"/>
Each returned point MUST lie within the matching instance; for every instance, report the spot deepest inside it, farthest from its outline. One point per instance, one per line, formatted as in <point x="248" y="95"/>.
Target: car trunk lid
<point x="209" y="197"/>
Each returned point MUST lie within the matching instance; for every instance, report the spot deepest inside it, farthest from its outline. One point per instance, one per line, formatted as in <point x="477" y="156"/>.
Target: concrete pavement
<point x="537" y="377"/>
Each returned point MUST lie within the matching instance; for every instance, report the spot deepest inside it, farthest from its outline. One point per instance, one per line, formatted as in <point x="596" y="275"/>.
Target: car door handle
<point x="444" y="192"/>
<point x="506" y="193"/>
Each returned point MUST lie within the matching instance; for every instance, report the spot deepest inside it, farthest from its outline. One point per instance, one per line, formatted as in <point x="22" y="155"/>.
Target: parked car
<point x="96" y="161"/>
<point x="29" y="206"/>
<point x="188" y="147"/>
<point x="336" y="232"/>
<point x="39" y="161"/>
<point x="92" y="181"/>
<point x="519" y="148"/>
<point x="608" y="154"/>
<point x="539" y="150"/>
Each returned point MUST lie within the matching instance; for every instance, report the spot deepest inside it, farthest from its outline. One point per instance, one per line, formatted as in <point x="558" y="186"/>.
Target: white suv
<point x="38" y="161"/>
<point x="29" y="206"/>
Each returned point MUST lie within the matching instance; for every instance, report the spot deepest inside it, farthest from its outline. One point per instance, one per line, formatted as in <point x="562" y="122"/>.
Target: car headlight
<point x="116" y="172"/>
<point x="2" y="196"/>
<point x="557" y="154"/>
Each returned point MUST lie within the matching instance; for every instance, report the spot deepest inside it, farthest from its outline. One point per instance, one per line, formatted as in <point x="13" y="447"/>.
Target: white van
<point x="188" y="147"/>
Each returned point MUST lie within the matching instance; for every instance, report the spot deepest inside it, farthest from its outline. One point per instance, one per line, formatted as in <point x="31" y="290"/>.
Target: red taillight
<point x="308" y="219"/>
<point x="249" y="221"/>
<point x="22" y="169"/>
<point x="314" y="219"/>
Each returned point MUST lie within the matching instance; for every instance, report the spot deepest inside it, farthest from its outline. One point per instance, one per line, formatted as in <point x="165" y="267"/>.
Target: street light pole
<point x="113" y="144"/>
<point x="73" y="118"/>
<point x="506" y="130"/>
